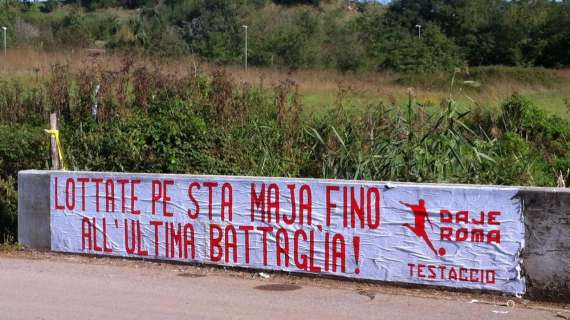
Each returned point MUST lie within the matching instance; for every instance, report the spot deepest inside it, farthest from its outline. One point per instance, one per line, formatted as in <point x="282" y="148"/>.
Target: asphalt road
<point x="64" y="287"/>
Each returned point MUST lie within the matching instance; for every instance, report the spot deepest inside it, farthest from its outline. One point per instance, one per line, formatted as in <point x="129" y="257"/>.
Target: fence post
<point x="54" y="154"/>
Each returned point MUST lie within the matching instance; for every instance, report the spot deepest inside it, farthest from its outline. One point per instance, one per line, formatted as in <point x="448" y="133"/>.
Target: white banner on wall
<point x="456" y="236"/>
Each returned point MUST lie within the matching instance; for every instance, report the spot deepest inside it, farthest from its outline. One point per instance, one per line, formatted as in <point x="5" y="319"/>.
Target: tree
<point x="210" y="27"/>
<point x="315" y="3"/>
<point x="556" y="52"/>
<point x="407" y="52"/>
<point x="71" y="31"/>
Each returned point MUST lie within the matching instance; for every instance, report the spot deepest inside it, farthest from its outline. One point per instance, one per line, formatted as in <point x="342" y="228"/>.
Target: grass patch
<point x="10" y="246"/>
<point x="555" y="102"/>
<point x="481" y="78"/>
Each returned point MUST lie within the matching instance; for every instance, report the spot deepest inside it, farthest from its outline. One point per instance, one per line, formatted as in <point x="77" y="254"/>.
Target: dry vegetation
<point x="319" y="88"/>
<point x="142" y="114"/>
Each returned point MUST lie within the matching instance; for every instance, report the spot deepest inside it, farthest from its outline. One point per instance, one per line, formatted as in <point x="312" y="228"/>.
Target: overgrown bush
<point x="71" y="31"/>
<point x="21" y="147"/>
<point x="8" y="210"/>
<point x="147" y="121"/>
<point x="433" y="51"/>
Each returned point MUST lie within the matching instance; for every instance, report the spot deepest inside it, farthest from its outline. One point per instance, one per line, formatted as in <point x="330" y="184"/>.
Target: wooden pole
<point x="54" y="154"/>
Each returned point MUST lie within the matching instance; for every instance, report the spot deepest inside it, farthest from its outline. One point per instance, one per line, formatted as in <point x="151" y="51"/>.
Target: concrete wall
<point x="33" y="209"/>
<point x="546" y="258"/>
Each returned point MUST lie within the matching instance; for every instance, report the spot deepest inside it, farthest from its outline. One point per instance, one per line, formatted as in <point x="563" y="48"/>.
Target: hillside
<point x="404" y="36"/>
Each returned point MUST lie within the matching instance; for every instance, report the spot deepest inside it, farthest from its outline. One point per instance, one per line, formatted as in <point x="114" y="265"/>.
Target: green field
<point x="555" y="101"/>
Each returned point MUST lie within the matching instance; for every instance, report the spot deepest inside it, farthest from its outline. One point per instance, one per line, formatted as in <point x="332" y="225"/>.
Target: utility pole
<point x="4" y="28"/>
<point x="419" y="26"/>
<point x="245" y="49"/>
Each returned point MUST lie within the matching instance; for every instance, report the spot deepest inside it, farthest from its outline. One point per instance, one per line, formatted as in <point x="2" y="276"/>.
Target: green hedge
<point x="21" y="147"/>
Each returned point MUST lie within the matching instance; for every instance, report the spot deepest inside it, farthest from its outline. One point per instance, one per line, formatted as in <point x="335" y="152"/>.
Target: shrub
<point x="71" y="31"/>
<point x="150" y="122"/>
<point x="21" y="147"/>
<point x="402" y="51"/>
<point x="49" y="6"/>
<point x="521" y="116"/>
<point x="8" y="210"/>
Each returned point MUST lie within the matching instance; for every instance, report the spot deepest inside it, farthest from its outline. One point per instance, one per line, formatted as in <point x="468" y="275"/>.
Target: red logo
<point x="419" y="229"/>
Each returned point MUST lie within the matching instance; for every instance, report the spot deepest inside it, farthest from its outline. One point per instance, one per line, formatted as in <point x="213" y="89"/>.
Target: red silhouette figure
<point x="421" y="215"/>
